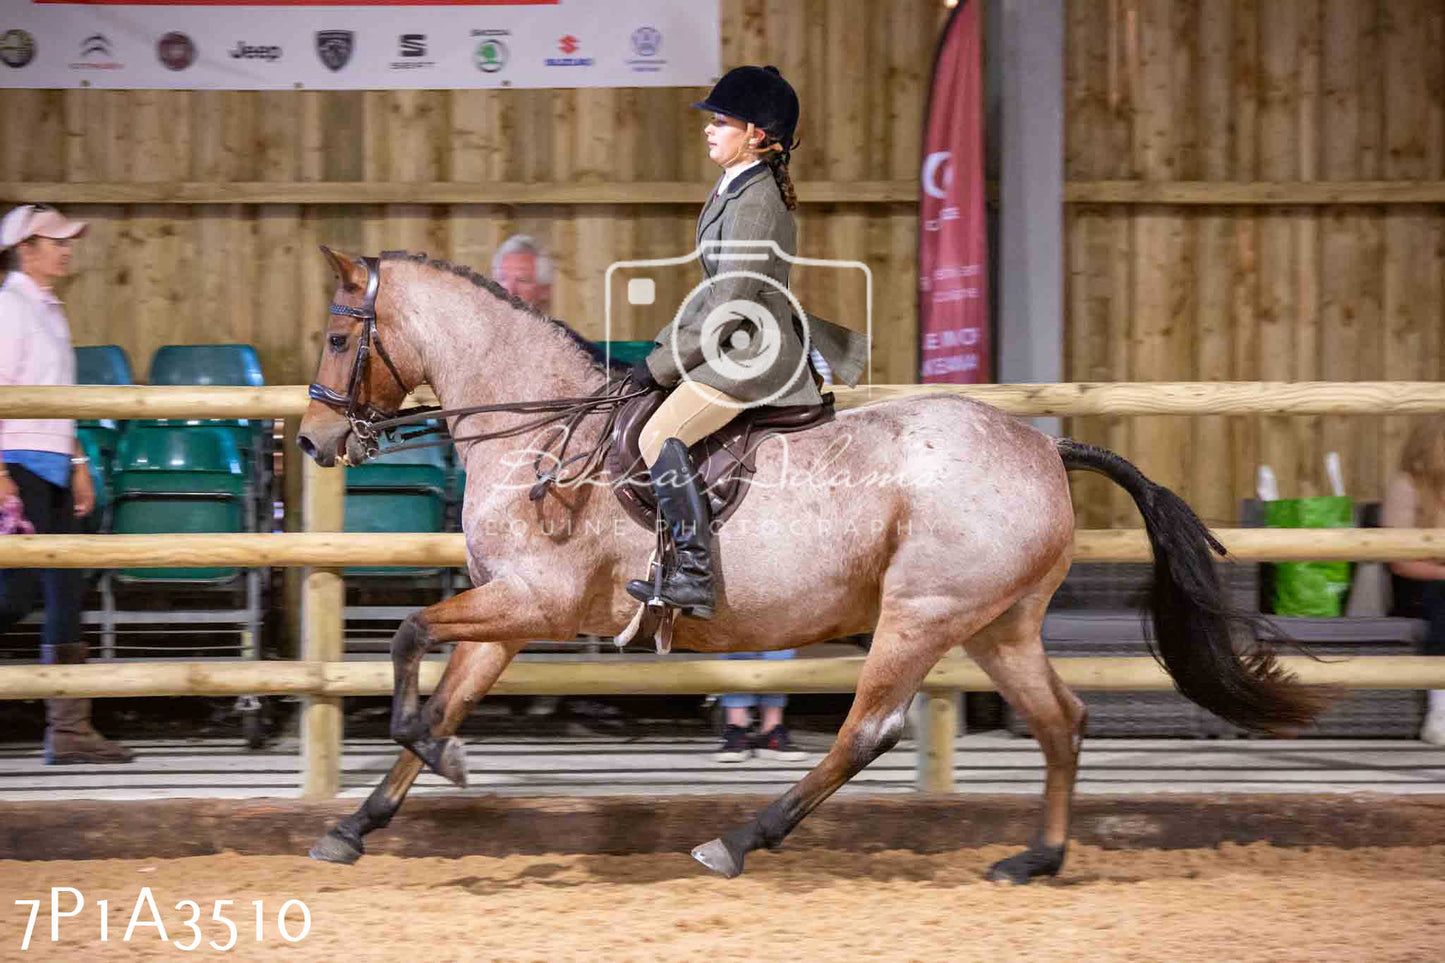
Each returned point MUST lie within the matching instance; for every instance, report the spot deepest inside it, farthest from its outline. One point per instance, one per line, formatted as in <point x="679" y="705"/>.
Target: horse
<point x="936" y="522"/>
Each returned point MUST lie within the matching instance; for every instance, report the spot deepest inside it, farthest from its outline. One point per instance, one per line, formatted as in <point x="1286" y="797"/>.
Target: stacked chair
<point x="196" y="476"/>
<point x="104" y="364"/>
<point x="407" y="492"/>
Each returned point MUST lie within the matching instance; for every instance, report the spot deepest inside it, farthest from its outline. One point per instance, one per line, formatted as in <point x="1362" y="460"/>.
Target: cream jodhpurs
<point x="692" y="412"/>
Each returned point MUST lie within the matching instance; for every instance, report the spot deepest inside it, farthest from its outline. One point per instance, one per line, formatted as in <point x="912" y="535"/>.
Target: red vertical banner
<point x="953" y="326"/>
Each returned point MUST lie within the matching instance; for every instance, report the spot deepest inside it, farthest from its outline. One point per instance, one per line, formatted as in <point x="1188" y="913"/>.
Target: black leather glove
<point x="641" y="379"/>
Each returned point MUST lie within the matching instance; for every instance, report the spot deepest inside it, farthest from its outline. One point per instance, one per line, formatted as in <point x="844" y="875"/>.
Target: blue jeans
<point x="747" y="700"/>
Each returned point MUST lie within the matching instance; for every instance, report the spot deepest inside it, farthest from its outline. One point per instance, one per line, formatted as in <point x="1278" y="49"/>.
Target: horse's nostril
<point x="307" y="446"/>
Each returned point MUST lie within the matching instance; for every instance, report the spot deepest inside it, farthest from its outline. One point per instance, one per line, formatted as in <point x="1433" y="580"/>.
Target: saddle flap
<point x="723" y="458"/>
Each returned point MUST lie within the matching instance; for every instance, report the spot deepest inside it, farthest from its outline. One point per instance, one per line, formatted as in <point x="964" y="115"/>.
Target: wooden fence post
<point x="935" y="739"/>
<point x="323" y="600"/>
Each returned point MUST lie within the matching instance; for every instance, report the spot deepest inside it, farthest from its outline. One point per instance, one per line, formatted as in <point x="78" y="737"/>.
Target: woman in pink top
<point x="41" y="466"/>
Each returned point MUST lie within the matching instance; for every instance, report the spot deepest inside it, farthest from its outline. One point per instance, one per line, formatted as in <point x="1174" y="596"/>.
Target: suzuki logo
<point x="568" y="44"/>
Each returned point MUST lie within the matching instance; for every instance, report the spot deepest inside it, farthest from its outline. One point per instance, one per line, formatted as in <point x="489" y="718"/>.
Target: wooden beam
<point x="1254" y="193"/>
<point x="1030" y="400"/>
<point x="690" y="193"/>
<point x="335" y="550"/>
<point x="678" y="675"/>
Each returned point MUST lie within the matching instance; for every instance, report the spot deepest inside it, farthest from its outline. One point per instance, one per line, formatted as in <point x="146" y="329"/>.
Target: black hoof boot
<point x="338" y="846"/>
<point x="721" y="857"/>
<point x="445" y="757"/>
<point x="1024" y="866"/>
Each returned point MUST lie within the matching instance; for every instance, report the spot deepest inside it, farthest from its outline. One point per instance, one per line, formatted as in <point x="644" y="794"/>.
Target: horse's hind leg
<point x="470" y="672"/>
<point x="904" y="649"/>
<point x="1011" y="651"/>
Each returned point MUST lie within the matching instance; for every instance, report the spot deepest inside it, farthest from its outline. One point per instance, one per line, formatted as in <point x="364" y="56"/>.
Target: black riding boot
<point x="684" y="507"/>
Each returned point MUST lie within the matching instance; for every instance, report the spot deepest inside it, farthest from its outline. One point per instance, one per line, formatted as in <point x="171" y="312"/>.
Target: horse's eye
<point x="337" y="342"/>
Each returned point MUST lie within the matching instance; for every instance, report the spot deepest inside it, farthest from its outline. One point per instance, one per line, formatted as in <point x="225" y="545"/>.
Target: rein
<point x="369" y="422"/>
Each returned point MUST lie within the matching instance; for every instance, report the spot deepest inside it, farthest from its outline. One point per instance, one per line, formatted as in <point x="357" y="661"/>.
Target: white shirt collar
<point x="730" y="174"/>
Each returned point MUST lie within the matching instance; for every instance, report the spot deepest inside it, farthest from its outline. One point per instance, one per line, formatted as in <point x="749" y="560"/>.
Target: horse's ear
<point x="347" y="267"/>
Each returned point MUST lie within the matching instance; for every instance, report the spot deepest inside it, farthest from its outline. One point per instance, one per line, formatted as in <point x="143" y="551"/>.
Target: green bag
<point x="1315" y="589"/>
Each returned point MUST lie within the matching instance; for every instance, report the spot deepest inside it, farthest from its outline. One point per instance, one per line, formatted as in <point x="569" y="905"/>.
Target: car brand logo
<point x="646" y="41"/>
<point x="245" y="51"/>
<point x="411" y="48"/>
<point x="17" y="48"/>
<point x="569" y="44"/>
<point x="95" y="54"/>
<point x="176" y="51"/>
<point x="335" y="47"/>
<point x="492" y="53"/>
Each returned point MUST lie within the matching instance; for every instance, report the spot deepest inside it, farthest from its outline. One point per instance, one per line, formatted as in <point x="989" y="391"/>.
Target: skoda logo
<point x="491" y="55"/>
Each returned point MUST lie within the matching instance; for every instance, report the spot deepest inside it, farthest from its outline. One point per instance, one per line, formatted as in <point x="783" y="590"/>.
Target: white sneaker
<point x="1433" y="731"/>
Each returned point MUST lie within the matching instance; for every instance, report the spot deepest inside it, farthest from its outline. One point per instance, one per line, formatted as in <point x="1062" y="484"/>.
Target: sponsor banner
<point x="953" y="322"/>
<point x="362" y="45"/>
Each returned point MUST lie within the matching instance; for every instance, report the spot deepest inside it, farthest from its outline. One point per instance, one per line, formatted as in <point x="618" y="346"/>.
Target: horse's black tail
<point x="1193" y="624"/>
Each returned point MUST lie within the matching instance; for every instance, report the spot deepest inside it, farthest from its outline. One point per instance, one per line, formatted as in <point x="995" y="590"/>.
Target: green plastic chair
<point x="206" y="364"/>
<point x="103" y="364"/>
<point x="90" y="442"/>
<point x="402" y="492"/>
<point x="628" y="352"/>
<point x="212" y="364"/>
<point x="171" y="480"/>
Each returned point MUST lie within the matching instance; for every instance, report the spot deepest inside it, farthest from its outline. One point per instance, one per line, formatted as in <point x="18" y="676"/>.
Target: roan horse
<point x="934" y="521"/>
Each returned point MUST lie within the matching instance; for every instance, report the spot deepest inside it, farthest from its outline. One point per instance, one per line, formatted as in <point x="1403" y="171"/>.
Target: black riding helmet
<point x="758" y="96"/>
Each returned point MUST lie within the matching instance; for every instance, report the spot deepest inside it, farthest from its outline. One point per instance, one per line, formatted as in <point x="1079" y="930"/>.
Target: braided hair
<point x="776" y="156"/>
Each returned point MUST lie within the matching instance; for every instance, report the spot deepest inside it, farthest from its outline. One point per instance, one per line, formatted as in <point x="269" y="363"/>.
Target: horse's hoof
<point x="335" y="848"/>
<point x="717" y="857"/>
<point x="1022" y="867"/>
<point x="447" y="758"/>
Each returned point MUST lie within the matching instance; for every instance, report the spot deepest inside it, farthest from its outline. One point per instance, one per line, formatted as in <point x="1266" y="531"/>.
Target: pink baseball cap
<point x="37" y="220"/>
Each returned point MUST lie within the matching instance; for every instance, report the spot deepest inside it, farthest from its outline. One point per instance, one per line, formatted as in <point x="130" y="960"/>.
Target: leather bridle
<point x="364" y="416"/>
<point x="368" y="422"/>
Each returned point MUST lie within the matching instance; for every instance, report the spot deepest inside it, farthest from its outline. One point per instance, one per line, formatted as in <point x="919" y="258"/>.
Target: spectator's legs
<point x="1433" y="604"/>
<point x="20" y="587"/>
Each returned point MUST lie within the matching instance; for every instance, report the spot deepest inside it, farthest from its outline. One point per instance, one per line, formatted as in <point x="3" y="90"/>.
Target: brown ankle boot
<point x="70" y="739"/>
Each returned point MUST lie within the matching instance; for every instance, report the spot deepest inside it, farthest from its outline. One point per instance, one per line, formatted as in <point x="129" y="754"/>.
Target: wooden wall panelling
<point x="1245" y="91"/>
<point x="1161" y="318"/>
<point x="1279" y="31"/>
<point x="279" y="311"/>
<point x="1210" y="454"/>
<point x="1308" y="332"/>
<point x="1345" y="327"/>
<point x="1411" y="270"/>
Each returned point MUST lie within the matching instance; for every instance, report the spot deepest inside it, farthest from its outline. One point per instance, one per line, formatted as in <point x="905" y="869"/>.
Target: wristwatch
<point x="79" y="460"/>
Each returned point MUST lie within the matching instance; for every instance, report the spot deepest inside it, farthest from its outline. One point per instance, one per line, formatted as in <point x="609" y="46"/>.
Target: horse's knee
<point x="875" y="736"/>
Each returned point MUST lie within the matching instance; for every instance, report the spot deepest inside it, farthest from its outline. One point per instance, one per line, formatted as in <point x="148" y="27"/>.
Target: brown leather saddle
<point x="725" y="458"/>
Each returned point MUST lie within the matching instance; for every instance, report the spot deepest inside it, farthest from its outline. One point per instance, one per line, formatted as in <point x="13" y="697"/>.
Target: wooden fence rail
<point x="338" y="550"/>
<point x="1032" y="400"/>
<point x="675" y="676"/>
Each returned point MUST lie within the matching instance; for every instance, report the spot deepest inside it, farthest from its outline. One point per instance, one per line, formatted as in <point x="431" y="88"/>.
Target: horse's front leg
<point x="470" y="672"/>
<point x="504" y="612"/>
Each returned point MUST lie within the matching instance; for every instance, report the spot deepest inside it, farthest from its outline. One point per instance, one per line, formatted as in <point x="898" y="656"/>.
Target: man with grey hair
<point x="521" y="265"/>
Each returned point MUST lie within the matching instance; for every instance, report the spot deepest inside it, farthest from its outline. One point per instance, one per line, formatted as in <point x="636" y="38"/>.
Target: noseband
<point x="363" y="415"/>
